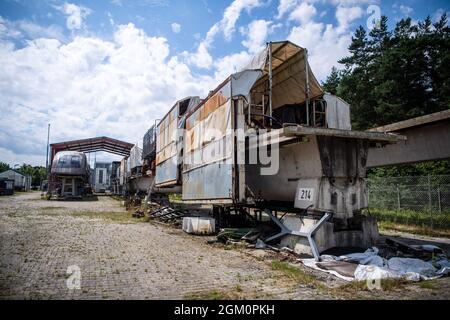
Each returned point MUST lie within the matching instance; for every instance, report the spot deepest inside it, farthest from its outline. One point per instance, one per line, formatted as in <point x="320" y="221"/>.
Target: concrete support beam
<point x="426" y="142"/>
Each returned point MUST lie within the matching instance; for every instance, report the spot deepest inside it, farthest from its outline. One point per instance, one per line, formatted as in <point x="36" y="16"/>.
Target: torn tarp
<point x="370" y="266"/>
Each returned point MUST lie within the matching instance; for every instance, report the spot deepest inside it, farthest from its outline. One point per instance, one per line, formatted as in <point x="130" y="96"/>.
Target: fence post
<point x="439" y="198"/>
<point x="429" y="201"/>
<point x="398" y="198"/>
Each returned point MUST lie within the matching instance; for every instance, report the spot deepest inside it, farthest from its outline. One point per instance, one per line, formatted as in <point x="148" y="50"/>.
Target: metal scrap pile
<point x="252" y="237"/>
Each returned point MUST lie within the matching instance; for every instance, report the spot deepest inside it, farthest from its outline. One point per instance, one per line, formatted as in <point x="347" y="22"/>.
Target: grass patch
<point x="52" y="208"/>
<point x="428" y="284"/>
<point x="353" y="288"/>
<point x="294" y="273"/>
<point x="421" y="230"/>
<point x="208" y="295"/>
<point x="416" y="222"/>
<point x="175" y="197"/>
<point x="117" y="217"/>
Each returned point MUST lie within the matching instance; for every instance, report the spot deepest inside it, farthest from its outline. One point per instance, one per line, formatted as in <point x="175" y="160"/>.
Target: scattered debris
<point x="168" y="214"/>
<point x="227" y="235"/>
<point x="260" y="244"/>
<point x="417" y="251"/>
<point x="344" y="268"/>
<point x="370" y="266"/>
<point x="138" y="214"/>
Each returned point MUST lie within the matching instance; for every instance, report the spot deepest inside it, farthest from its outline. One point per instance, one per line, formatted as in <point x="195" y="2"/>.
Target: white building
<point x="21" y="181"/>
<point x="101" y="177"/>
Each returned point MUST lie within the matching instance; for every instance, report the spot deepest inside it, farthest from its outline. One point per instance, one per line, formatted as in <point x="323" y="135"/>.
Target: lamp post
<point x="48" y="139"/>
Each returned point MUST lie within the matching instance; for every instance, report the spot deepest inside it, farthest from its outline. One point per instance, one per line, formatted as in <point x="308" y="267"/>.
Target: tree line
<point x="38" y="173"/>
<point x="394" y="75"/>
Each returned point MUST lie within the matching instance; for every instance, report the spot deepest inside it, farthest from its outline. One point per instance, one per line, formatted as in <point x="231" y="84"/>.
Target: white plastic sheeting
<point x="242" y="82"/>
<point x="372" y="267"/>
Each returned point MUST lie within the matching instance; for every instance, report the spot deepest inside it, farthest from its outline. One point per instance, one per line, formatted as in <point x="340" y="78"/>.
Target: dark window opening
<point x="100" y="176"/>
<point x="69" y="162"/>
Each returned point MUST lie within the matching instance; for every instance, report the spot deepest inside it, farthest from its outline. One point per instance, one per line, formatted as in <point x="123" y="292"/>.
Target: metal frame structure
<point x="111" y="145"/>
<point x="285" y="231"/>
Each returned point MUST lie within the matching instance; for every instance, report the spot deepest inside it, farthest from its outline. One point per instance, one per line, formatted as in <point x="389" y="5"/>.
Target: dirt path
<point x="122" y="258"/>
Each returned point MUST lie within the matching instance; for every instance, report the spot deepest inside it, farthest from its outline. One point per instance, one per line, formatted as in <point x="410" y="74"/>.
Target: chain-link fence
<point x="421" y="200"/>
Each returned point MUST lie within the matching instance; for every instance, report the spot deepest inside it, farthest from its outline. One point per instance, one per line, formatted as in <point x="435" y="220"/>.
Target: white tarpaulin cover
<point x="289" y="76"/>
<point x="371" y="266"/>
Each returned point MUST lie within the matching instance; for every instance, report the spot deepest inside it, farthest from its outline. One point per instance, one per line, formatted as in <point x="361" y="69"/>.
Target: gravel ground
<point x="119" y="257"/>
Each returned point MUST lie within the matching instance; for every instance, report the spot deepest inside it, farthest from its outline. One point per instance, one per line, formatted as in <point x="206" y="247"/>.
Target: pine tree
<point x="394" y="75"/>
<point x="332" y="82"/>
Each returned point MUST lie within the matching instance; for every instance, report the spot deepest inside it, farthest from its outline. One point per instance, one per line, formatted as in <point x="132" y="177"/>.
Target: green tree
<point x="332" y="82"/>
<point x="4" y="166"/>
<point x="395" y="75"/>
<point x="38" y="173"/>
<point x="355" y="84"/>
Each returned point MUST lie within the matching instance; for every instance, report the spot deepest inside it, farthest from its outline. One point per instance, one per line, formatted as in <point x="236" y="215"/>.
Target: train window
<point x="62" y="161"/>
<point x="69" y="162"/>
<point x="75" y="162"/>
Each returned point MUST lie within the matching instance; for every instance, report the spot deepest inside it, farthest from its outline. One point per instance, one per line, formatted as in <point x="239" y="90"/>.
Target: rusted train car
<point x="69" y="175"/>
<point x="269" y="139"/>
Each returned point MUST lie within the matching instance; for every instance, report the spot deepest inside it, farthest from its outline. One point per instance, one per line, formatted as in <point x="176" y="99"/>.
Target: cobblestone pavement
<point x="117" y="256"/>
<point x="120" y="257"/>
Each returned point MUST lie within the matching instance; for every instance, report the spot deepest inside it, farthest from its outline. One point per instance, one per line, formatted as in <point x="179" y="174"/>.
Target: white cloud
<point x="438" y="14"/>
<point x="353" y="2"/>
<point x="232" y="13"/>
<point x="88" y="87"/>
<point x="28" y="30"/>
<point x="406" y="10"/>
<point x="346" y="15"/>
<point x="303" y="13"/>
<point x="201" y="58"/>
<point x="176" y="28"/>
<point x="75" y="15"/>
<point x="256" y="35"/>
<point x="230" y="64"/>
<point x="325" y="46"/>
<point x="285" y="6"/>
<point x="326" y="43"/>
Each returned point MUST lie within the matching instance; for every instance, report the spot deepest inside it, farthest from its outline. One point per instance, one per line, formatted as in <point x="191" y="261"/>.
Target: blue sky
<point x="110" y="67"/>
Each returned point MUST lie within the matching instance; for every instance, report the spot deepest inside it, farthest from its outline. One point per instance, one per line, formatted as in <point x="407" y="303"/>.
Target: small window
<point x="68" y="161"/>
<point x="62" y="161"/>
<point x="100" y="176"/>
<point x="75" y="162"/>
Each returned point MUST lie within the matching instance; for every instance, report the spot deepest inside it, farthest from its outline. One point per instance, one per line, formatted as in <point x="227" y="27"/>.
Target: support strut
<point x="309" y="235"/>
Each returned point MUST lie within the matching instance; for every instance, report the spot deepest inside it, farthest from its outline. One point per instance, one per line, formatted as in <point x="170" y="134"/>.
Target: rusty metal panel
<point x="166" y="172"/>
<point x="170" y="142"/>
<point x="207" y="163"/>
<point x="213" y="181"/>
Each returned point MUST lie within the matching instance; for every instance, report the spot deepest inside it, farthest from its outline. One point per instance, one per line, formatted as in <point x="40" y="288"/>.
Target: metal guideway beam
<point x="309" y="235"/>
